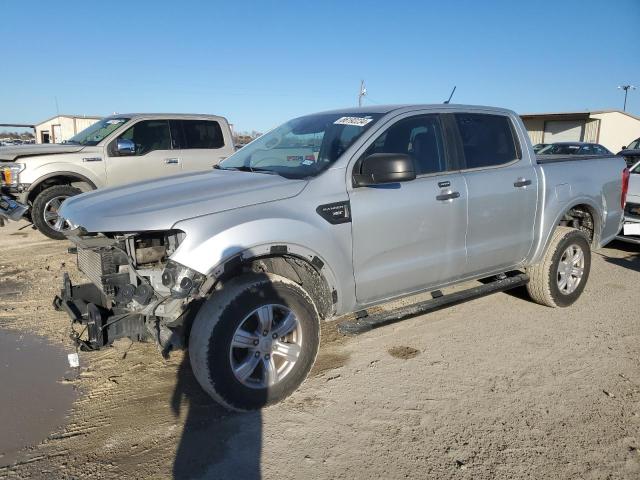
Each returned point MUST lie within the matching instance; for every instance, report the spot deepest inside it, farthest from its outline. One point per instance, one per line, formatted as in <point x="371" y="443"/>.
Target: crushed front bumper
<point x="11" y="209"/>
<point x="103" y="323"/>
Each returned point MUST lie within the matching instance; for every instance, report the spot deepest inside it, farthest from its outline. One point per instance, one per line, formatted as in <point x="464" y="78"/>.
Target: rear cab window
<point x="197" y="134"/>
<point x="487" y="140"/>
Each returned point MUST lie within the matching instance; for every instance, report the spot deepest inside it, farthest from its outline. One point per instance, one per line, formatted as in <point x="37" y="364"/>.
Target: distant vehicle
<point x="116" y="150"/>
<point x="574" y="148"/>
<point x="630" y="231"/>
<point x="631" y="152"/>
<point x="400" y="199"/>
<point x="539" y="146"/>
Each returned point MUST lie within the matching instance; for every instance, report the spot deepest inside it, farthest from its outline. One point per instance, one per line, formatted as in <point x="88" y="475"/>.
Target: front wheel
<point x="45" y="210"/>
<point x="559" y="279"/>
<point x="254" y="341"/>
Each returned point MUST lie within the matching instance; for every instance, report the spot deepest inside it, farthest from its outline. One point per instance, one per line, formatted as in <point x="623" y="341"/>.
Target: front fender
<point x="213" y="240"/>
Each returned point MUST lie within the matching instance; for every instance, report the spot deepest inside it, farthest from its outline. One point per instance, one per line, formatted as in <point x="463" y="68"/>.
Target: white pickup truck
<point x="116" y="150"/>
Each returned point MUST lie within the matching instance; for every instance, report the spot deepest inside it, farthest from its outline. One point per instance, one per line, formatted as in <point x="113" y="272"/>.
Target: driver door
<point x="154" y="154"/>
<point x="410" y="236"/>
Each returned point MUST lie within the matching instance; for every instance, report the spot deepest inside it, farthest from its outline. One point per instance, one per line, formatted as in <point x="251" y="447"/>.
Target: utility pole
<point x="626" y="89"/>
<point x="362" y="93"/>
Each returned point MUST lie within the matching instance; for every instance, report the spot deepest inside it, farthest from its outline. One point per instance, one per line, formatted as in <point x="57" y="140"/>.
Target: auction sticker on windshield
<point x="356" y="121"/>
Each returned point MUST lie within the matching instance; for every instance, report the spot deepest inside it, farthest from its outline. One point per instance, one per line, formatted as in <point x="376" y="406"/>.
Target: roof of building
<point x="584" y="113"/>
<point x="90" y="117"/>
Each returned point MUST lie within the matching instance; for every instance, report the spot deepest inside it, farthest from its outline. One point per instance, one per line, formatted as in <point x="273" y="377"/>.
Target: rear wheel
<point x="254" y="342"/>
<point x="558" y="281"/>
<point x="45" y="210"/>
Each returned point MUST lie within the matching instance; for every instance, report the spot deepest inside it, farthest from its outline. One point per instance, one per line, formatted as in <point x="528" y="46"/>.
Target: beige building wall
<point x="535" y="128"/>
<point x="617" y="129"/>
<point x="63" y="127"/>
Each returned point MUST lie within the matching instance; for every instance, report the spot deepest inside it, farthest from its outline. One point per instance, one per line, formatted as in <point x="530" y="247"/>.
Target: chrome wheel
<point x="265" y="346"/>
<point x="51" y="216"/>
<point x="570" y="269"/>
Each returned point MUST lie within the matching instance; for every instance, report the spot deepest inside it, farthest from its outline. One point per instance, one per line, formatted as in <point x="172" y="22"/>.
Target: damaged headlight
<point x="181" y="280"/>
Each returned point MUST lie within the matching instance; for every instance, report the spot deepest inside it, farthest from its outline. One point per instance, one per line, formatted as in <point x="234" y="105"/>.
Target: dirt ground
<point x="494" y="388"/>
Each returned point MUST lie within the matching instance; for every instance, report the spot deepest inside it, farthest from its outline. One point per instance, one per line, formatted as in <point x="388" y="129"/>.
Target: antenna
<point x="450" y="96"/>
<point x="363" y="92"/>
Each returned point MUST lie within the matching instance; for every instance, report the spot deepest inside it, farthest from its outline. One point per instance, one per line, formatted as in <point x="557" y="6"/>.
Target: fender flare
<point x="596" y="213"/>
<point x="317" y="261"/>
<point x="48" y="176"/>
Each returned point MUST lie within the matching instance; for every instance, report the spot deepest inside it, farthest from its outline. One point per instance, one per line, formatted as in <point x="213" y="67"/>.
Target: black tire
<point x="216" y="323"/>
<point x="40" y="203"/>
<point x="544" y="278"/>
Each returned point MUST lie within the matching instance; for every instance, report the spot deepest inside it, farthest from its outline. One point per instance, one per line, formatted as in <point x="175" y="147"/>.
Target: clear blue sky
<point x="260" y="63"/>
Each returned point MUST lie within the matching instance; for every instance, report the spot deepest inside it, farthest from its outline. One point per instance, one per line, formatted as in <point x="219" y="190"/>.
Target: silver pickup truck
<point x="116" y="150"/>
<point x="326" y="215"/>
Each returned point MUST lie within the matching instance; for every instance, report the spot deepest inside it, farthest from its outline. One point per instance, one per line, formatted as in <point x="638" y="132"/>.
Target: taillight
<point x="625" y="187"/>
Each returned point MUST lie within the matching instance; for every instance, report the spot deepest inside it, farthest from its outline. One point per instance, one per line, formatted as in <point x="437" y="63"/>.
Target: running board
<point x="364" y="322"/>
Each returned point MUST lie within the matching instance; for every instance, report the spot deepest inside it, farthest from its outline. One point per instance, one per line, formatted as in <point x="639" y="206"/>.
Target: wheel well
<point x="294" y="268"/>
<point x="582" y="218"/>
<point x="71" y="180"/>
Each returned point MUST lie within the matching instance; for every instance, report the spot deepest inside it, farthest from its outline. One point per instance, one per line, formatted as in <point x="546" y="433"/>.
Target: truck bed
<point x="543" y="159"/>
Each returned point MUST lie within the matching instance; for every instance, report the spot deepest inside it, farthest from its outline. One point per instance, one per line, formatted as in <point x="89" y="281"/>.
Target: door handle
<point x="521" y="182"/>
<point x="171" y="160"/>
<point x="448" y="196"/>
<point x="92" y="159"/>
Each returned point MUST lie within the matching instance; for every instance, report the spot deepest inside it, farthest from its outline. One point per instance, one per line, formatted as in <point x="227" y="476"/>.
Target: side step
<point x="364" y="323"/>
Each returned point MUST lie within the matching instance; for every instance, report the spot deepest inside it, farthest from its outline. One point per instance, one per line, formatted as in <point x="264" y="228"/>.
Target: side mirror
<point x="384" y="168"/>
<point x="125" y="147"/>
<point x="624" y="147"/>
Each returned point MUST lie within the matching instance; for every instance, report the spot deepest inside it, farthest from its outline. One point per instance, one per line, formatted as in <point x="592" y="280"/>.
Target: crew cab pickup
<point x="116" y="150"/>
<point x="326" y="215"/>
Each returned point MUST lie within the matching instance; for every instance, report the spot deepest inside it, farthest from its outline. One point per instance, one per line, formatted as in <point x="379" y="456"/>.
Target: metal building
<point x="611" y="128"/>
<point x="62" y="127"/>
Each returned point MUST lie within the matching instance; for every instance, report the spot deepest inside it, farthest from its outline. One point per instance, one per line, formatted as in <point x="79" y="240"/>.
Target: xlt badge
<point x="335" y="213"/>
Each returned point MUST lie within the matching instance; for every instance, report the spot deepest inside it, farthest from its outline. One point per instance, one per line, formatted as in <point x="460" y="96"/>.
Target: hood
<point x="159" y="204"/>
<point x="13" y="153"/>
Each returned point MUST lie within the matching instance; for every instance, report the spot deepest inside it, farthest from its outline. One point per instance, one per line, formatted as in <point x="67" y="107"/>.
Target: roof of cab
<point x="384" y="109"/>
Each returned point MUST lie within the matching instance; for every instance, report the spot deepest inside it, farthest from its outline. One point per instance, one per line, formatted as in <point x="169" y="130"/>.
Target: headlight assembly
<point x="181" y="280"/>
<point x="9" y="173"/>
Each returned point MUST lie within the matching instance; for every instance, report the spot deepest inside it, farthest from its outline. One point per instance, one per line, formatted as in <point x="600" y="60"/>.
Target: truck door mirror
<point x="384" y="168"/>
<point x="125" y="147"/>
<point x="624" y="147"/>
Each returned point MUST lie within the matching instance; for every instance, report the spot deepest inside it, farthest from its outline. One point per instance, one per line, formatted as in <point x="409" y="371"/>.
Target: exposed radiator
<point x="95" y="264"/>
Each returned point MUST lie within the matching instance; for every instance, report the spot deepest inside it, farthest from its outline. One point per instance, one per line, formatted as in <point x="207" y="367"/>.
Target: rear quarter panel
<point x="596" y="183"/>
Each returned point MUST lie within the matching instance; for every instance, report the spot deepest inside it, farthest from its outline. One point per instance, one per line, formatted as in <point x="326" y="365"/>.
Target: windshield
<point x="557" y="149"/>
<point x="97" y="132"/>
<point x="635" y="145"/>
<point x="302" y="147"/>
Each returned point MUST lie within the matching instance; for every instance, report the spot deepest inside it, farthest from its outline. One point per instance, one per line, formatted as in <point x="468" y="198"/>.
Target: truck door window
<point x="149" y="135"/>
<point x="487" y="140"/>
<point x="202" y="134"/>
<point x="420" y="137"/>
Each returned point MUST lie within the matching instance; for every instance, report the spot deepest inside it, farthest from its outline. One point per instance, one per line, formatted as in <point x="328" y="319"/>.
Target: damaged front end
<point x="135" y="292"/>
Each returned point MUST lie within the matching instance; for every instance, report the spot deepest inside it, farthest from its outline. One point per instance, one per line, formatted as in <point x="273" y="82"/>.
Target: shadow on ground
<point x="215" y="443"/>
<point x="630" y="261"/>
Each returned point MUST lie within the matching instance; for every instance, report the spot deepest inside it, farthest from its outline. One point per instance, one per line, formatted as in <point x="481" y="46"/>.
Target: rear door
<point x="408" y="236"/>
<point x="201" y="143"/>
<point x="154" y="155"/>
<point x="502" y="189"/>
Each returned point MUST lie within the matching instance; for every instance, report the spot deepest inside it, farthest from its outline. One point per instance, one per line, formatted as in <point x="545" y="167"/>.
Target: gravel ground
<point x="495" y="388"/>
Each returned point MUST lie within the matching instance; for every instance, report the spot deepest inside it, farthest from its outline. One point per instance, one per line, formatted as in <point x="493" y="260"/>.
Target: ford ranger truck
<point x="326" y="215"/>
<point x="116" y="150"/>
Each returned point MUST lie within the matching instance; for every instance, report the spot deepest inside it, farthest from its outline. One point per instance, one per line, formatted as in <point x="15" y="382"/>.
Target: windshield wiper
<point x="246" y="168"/>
